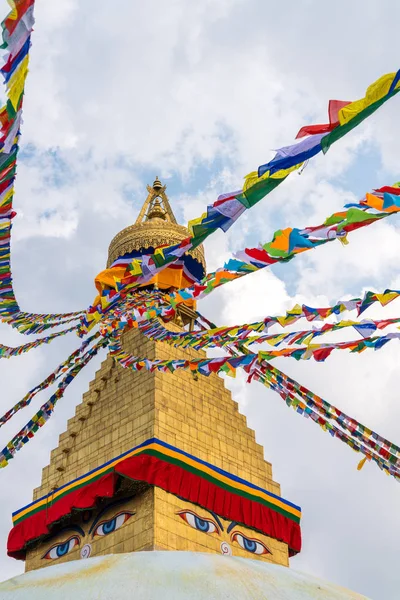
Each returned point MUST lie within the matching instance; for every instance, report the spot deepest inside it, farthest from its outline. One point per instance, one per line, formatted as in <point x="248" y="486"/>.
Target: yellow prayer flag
<point x="194" y="222"/>
<point x="253" y="178"/>
<point x="386" y="298"/>
<point x="7" y="196"/>
<point x="17" y="82"/>
<point x="135" y="268"/>
<point x="14" y="13"/>
<point x="285" y="172"/>
<point x="361" y="463"/>
<point x="375" y="92"/>
<point x="296" y="310"/>
<point x="308" y="339"/>
<point x="276" y="339"/>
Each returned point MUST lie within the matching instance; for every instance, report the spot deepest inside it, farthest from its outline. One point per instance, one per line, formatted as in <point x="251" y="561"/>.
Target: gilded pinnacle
<point x="157" y="185"/>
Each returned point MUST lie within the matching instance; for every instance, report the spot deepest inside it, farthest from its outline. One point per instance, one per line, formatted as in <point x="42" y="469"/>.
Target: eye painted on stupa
<point x="199" y="523"/>
<point x="111" y="525"/>
<point x="60" y="550"/>
<point x="250" y="544"/>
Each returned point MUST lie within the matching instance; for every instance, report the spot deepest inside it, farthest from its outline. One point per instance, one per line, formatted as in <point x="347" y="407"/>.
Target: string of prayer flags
<point x="319" y="352"/>
<point x="8" y="351"/>
<point x="239" y="335"/>
<point x="17" y="29"/>
<point x="127" y="313"/>
<point x="343" y="117"/>
<point x="47" y="409"/>
<point x="31" y="323"/>
<point x="311" y="314"/>
<point x="50" y="379"/>
<point x="366" y="435"/>
<point x="359" y="438"/>
<point x="16" y="36"/>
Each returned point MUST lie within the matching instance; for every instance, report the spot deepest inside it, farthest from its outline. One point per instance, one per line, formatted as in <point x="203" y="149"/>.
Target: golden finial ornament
<point x="157" y="185"/>
<point x="156" y="211"/>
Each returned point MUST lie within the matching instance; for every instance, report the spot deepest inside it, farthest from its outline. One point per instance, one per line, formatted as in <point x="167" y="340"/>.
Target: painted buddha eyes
<point x="204" y="525"/>
<point x="107" y="527"/>
<point x="60" y="550"/>
<point x="99" y="529"/>
<point x="249" y="544"/>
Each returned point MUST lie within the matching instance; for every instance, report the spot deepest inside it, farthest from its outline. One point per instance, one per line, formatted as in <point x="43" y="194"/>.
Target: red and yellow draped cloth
<point x="174" y="471"/>
<point x="180" y="274"/>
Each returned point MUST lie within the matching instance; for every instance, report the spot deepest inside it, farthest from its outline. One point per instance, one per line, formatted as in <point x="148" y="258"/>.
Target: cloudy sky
<point x="199" y="93"/>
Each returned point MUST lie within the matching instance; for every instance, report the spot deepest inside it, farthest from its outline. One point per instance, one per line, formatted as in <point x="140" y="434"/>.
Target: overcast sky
<point x="199" y="93"/>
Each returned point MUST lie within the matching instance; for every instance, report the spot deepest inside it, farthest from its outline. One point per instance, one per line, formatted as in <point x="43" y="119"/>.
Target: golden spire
<point x="155" y="225"/>
<point x="157" y="185"/>
<point x="156" y="205"/>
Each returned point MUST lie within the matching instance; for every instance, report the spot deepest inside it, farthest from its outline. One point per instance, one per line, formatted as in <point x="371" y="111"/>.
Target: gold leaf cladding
<point x="153" y="233"/>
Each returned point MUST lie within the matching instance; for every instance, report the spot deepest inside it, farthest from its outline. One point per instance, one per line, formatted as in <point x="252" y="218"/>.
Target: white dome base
<point x="169" y="576"/>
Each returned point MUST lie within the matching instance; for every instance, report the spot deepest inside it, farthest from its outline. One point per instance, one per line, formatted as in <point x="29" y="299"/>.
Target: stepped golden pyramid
<point x="160" y="462"/>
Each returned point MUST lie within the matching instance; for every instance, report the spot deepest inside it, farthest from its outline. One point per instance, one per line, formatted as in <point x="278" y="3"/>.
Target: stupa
<point x="163" y="463"/>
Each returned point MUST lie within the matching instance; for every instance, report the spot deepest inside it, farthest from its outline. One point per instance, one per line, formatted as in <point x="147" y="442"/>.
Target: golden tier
<point x="155" y="226"/>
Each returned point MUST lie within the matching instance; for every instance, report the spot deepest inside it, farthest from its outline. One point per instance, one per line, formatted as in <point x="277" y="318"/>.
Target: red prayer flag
<point x="333" y="112"/>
